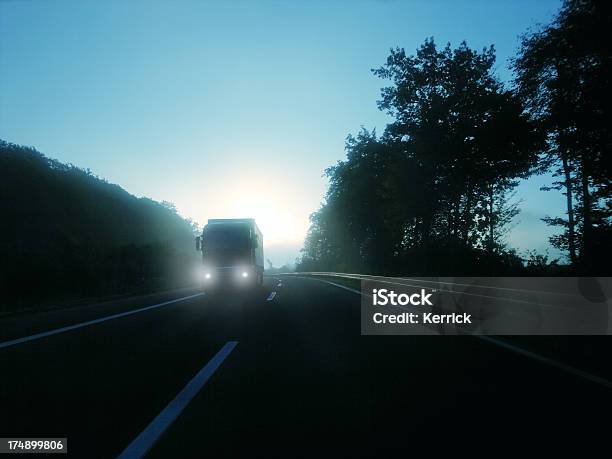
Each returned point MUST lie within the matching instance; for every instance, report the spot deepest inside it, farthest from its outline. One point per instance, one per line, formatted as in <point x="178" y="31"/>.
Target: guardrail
<point x="597" y="291"/>
<point x="445" y="285"/>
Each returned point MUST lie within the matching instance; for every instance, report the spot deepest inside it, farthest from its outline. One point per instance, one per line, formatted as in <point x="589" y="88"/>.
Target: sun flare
<point x="272" y="205"/>
<point x="277" y="223"/>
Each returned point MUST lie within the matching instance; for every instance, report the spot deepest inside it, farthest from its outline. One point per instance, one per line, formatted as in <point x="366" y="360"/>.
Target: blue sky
<point x="230" y="108"/>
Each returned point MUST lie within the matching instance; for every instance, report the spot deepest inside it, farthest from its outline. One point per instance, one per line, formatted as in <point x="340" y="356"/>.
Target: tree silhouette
<point x="563" y="76"/>
<point x="68" y="234"/>
<point x="467" y="133"/>
<point x="431" y="193"/>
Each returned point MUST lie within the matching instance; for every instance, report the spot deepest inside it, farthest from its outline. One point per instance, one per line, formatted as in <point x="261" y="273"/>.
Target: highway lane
<point x="300" y="382"/>
<point x="25" y="324"/>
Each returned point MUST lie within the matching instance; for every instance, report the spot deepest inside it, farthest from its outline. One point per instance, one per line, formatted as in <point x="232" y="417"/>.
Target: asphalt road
<point x="300" y="382"/>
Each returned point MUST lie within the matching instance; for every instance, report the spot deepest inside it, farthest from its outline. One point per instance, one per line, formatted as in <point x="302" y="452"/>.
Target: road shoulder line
<point x="331" y="283"/>
<point x="509" y="347"/>
<point x="56" y="331"/>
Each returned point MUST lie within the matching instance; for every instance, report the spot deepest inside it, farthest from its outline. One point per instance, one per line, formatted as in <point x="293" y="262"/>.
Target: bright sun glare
<point x="277" y="223"/>
<point x="271" y="208"/>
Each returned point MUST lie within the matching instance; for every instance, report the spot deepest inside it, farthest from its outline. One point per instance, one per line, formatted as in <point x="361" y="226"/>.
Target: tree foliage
<point x="67" y="233"/>
<point x="563" y="77"/>
<point x="434" y="193"/>
<point x="435" y="183"/>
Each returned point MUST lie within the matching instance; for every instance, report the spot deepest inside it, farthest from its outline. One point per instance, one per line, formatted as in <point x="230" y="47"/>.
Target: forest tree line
<point x="67" y="234"/>
<point x="433" y="195"/>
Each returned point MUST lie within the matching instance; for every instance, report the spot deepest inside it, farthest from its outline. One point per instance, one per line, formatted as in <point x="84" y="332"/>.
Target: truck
<point x="232" y="253"/>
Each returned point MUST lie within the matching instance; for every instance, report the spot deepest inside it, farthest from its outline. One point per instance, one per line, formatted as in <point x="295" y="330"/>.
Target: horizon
<point x="158" y="109"/>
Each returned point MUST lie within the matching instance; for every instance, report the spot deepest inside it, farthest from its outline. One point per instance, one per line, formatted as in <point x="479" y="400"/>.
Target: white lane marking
<point x="56" y="331"/>
<point x="147" y="438"/>
<point x="280" y="282"/>
<point x="499" y="298"/>
<point x="510" y="347"/>
<point x="546" y="360"/>
<point x="370" y="277"/>
<point x="271" y="297"/>
<point x="334" y="284"/>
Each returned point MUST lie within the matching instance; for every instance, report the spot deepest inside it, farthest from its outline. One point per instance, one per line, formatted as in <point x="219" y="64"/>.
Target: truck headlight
<point x="245" y="274"/>
<point x="207" y="275"/>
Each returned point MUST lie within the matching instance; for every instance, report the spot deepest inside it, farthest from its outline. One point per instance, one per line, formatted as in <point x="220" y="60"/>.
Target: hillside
<point x="67" y="233"/>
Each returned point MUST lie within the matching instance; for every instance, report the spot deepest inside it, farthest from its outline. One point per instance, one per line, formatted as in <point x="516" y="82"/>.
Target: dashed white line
<point x="149" y="436"/>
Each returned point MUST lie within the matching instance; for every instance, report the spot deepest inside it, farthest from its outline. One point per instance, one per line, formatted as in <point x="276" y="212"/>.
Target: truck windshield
<point x="226" y="238"/>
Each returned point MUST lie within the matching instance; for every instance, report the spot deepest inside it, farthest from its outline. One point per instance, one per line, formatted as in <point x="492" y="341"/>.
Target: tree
<point x="72" y="234"/>
<point x="351" y="229"/>
<point x="563" y="77"/>
<point x="432" y="190"/>
<point x="465" y="131"/>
